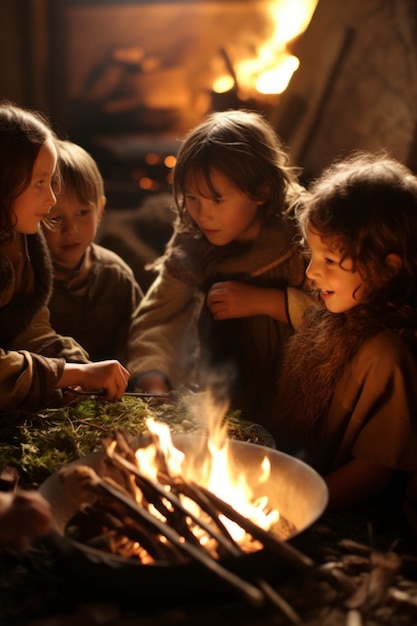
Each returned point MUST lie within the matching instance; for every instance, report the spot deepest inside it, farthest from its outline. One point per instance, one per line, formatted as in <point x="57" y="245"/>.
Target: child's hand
<point x="24" y="515"/>
<point x="231" y="299"/>
<point x="110" y="376"/>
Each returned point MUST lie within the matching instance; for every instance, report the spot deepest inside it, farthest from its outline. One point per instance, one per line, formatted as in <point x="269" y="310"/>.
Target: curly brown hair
<point x="365" y="207"/>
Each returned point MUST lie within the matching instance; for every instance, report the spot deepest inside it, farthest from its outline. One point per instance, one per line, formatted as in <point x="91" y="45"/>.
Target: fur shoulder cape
<point x="21" y="310"/>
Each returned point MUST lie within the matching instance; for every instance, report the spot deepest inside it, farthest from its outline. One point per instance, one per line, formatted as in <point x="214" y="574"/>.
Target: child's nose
<point x="311" y="270"/>
<point x="68" y="226"/>
<point x="204" y="209"/>
<point x="51" y="199"/>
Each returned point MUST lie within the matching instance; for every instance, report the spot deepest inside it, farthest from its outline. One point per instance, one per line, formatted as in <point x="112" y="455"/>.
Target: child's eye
<point x="84" y="212"/>
<point x="217" y="199"/>
<point x="329" y="261"/>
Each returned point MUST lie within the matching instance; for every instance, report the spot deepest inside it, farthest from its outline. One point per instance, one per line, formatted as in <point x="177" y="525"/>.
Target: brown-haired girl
<point x="348" y="389"/>
<point x="35" y="362"/>
<point x="232" y="270"/>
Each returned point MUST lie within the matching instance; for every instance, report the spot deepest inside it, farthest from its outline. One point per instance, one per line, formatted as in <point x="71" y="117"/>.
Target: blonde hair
<point x="80" y="173"/>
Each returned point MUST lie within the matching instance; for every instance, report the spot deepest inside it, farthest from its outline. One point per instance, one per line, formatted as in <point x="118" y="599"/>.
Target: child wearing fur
<point x="348" y="387"/>
<point x="35" y="362"/>
<point x="95" y="291"/>
<point x="230" y="284"/>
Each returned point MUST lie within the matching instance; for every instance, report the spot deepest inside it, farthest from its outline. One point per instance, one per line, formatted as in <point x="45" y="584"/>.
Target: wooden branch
<point x="281" y="548"/>
<point x="90" y="480"/>
<point x="148" y="487"/>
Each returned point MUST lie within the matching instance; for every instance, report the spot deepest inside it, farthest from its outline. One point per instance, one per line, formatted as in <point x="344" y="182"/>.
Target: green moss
<point x="39" y="444"/>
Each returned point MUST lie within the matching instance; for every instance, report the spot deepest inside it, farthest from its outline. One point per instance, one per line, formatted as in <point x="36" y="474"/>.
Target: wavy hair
<point x="365" y="208"/>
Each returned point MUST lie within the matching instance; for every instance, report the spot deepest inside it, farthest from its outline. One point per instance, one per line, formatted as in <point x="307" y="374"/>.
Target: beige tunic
<point x="164" y="333"/>
<point x="373" y="414"/>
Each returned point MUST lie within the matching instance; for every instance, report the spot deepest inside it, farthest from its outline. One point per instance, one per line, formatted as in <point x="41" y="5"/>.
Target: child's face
<point x="34" y="204"/>
<point x="230" y="216"/>
<point x="75" y="228"/>
<point x="340" y="287"/>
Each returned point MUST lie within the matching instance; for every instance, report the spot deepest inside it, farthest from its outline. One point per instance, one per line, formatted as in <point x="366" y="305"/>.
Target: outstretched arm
<point x="108" y="375"/>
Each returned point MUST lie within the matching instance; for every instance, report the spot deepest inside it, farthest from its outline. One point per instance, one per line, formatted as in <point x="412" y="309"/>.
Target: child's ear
<point x="263" y="193"/>
<point x="394" y="262"/>
<point x="100" y="210"/>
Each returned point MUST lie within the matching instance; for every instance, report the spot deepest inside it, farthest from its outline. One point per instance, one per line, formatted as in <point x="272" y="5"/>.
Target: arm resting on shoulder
<point x="233" y="299"/>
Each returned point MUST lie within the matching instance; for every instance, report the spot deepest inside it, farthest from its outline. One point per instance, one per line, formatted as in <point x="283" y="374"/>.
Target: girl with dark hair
<point x="35" y="362"/>
<point x="230" y="284"/>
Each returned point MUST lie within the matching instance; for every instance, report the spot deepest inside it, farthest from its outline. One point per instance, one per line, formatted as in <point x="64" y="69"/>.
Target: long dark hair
<point x="244" y="147"/>
<point x="22" y="134"/>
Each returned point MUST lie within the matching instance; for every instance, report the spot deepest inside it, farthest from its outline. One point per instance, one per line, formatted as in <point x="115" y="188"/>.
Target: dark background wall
<point x="356" y="86"/>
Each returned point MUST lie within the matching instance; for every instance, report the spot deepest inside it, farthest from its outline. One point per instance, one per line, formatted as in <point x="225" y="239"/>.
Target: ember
<point x="185" y="513"/>
<point x="120" y="518"/>
<point x="170" y="519"/>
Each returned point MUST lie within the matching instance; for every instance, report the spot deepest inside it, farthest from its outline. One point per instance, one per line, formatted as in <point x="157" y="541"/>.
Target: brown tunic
<point x="32" y="355"/>
<point x="164" y="335"/>
<point x="98" y="317"/>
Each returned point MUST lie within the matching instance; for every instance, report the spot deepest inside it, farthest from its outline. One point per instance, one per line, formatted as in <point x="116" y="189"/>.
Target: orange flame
<point x="272" y="67"/>
<point x="214" y="469"/>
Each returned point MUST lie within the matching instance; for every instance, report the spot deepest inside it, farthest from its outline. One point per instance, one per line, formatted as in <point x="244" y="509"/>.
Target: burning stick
<point x="268" y="539"/>
<point x="197" y="494"/>
<point x="149" y="487"/>
<point x="88" y="479"/>
<point x="157" y="550"/>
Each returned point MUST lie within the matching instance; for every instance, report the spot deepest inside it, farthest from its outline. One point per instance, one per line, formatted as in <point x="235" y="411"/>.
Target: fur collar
<point x="318" y="354"/>
<point x="20" y="311"/>
<point x="197" y="262"/>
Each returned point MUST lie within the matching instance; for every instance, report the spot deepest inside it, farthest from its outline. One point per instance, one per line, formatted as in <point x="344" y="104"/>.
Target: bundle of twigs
<point x="166" y="529"/>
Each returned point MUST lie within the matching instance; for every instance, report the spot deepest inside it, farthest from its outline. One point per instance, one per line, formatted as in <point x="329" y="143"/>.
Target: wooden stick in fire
<point x="197" y="495"/>
<point x="282" y="548"/>
<point x="148" y="486"/>
<point x="90" y="480"/>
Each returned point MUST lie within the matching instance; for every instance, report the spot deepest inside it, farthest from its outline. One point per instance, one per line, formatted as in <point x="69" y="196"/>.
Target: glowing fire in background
<point x="269" y="69"/>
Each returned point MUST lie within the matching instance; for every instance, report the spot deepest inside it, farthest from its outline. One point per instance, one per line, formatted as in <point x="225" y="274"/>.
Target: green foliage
<point x="39" y="444"/>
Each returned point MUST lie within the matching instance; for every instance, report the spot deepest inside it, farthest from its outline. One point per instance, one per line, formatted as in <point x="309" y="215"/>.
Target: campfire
<point x="206" y="505"/>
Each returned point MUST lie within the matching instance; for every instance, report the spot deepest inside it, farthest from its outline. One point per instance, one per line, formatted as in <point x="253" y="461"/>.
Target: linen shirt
<point x="99" y="317"/>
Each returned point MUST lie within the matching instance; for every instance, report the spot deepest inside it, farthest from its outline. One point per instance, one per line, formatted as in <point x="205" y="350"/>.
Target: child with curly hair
<point x="348" y="387"/>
